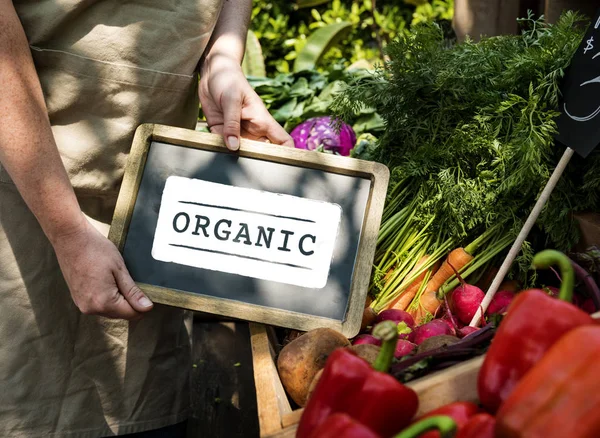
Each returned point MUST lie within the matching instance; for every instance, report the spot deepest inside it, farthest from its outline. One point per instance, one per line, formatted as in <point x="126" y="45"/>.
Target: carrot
<point x="405" y="298"/>
<point x="428" y="301"/>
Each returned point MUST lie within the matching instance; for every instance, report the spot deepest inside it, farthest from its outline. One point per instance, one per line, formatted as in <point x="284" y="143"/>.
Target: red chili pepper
<point x="560" y="396"/>
<point x="534" y="322"/>
<point x="343" y="426"/>
<point x="370" y="396"/>
<point x="460" y="412"/>
<point x="479" y="426"/>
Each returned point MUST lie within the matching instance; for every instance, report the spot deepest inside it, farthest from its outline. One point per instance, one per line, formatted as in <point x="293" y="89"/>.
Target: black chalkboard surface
<point x="579" y="121"/>
<point x="357" y="188"/>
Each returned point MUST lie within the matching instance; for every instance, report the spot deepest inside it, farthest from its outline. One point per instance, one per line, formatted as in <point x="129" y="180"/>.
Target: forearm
<point x="27" y="148"/>
<point x="229" y="36"/>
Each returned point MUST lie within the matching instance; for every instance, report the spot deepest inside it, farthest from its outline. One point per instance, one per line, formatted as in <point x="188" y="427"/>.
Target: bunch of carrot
<point x="416" y="264"/>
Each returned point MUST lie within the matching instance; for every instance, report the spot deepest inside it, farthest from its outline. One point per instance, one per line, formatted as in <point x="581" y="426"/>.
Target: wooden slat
<point x="288" y="432"/>
<point x="292" y="418"/>
<point x="282" y="399"/>
<point x="265" y="375"/>
<point x="130" y="186"/>
<point x="477" y="18"/>
<point x="553" y="8"/>
<point x="456" y="383"/>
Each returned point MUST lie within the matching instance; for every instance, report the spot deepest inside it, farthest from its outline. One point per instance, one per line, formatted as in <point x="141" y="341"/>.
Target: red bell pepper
<point x="342" y="426"/>
<point x="460" y="412"/>
<point x="534" y="322"/>
<point x="445" y="426"/>
<point x="479" y="426"/>
<point x="560" y="396"/>
<point x="368" y="395"/>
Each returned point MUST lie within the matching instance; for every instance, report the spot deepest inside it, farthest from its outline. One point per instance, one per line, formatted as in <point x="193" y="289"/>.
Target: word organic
<point x="246" y="232"/>
<point x="222" y="230"/>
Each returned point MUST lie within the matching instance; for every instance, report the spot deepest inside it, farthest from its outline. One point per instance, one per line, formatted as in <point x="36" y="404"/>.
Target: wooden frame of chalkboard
<point x="376" y="174"/>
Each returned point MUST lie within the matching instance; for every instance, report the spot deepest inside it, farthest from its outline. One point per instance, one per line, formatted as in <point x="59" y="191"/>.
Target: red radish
<point x="396" y="315"/>
<point x="432" y="328"/>
<point x="404" y="320"/>
<point x="466" y="330"/>
<point x="466" y="300"/>
<point x="448" y="321"/>
<point x="403" y="348"/>
<point x="500" y="302"/>
<point x="366" y="339"/>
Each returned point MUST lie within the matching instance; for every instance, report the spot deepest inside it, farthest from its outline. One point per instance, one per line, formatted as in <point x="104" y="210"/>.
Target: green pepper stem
<point x="442" y="423"/>
<point x="549" y="257"/>
<point x="387" y="331"/>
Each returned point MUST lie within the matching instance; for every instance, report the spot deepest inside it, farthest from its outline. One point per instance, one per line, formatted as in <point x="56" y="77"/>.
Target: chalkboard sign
<point x="579" y="121"/>
<point x="268" y="234"/>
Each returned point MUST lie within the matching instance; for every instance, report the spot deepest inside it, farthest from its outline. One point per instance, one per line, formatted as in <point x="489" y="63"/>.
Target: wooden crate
<point x="277" y="419"/>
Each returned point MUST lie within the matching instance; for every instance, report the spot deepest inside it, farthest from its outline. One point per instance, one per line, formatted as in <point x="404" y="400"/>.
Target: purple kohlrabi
<point x="319" y="134"/>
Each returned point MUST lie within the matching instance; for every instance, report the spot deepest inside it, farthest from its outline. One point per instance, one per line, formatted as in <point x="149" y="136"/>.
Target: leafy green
<point x="292" y="98"/>
<point x="318" y="43"/>
<point x="253" y="63"/>
<point x="473" y="125"/>
<point x="469" y="139"/>
<point x="283" y="27"/>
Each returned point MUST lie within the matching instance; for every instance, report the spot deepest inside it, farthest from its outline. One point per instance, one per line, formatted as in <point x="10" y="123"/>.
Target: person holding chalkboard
<point x="83" y="352"/>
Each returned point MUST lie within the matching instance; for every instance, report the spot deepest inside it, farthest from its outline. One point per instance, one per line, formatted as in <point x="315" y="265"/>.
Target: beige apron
<point x="105" y="67"/>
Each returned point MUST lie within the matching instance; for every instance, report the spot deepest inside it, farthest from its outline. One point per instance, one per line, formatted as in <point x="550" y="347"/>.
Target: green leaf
<point x="331" y="90"/>
<point x="369" y="123"/>
<point x="318" y="43"/>
<point x="253" y="63"/>
<point x="285" y="111"/>
<point x="301" y="89"/>
<point x="300" y="4"/>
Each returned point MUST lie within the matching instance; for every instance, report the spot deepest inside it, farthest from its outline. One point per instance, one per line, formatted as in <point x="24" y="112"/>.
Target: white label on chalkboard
<point x="248" y="232"/>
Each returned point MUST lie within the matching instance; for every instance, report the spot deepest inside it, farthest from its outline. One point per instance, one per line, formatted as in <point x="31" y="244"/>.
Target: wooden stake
<point x="516" y="247"/>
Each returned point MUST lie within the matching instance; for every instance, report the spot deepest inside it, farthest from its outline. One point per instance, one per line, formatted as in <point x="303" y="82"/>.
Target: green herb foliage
<point x="283" y="29"/>
<point x="471" y="127"/>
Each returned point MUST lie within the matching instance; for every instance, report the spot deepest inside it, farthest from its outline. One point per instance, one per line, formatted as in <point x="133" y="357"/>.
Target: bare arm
<point x="229" y="37"/>
<point x="231" y="106"/>
<point x="92" y="266"/>
<point x="27" y="148"/>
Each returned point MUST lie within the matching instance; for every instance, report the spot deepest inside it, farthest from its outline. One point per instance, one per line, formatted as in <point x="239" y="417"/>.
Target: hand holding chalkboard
<point x="269" y="234"/>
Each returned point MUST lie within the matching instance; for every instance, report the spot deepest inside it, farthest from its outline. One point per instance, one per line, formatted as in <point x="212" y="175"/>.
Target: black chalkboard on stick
<point x="579" y="120"/>
<point x="267" y="234"/>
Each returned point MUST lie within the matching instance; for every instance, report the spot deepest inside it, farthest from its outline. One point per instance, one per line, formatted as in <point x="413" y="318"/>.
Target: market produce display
<point x="469" y="139"/>
<point x="353" y="393"/>
<point x="545" y="386"/>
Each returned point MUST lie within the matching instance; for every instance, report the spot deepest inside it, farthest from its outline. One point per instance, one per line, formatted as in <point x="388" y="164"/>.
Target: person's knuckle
<point x="133" y="292"/>
<point x="233" y="97"/>
<point x="232" y="126"/>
